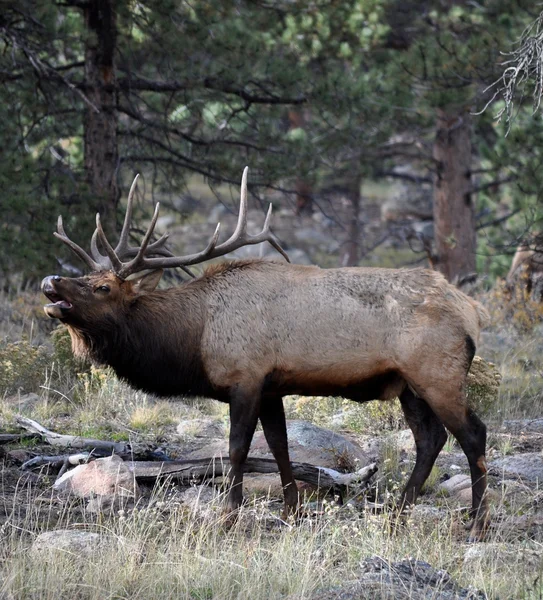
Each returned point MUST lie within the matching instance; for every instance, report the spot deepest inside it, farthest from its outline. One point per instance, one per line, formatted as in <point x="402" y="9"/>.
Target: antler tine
<point x="102" y="260"/>
<point x="116" y="264"/>
<point x="270" y="237"/>
<point x="122" y="245"/>
<point x="159" y="245"/>
<point x="240" y="237"/>
<point x="61" y="235"/>
<point x="139" y="260"/>
<point x="241" y="225"/>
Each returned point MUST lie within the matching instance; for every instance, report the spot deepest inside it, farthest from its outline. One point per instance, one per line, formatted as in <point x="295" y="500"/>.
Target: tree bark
<point x="454" y="208"/>
<point x="350" y="253"/>
<point x="100" y="119"/>
<point x="297" y="119"/>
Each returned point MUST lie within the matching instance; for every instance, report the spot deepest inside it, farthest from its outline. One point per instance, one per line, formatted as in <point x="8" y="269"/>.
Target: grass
<point x="165" y="550"/>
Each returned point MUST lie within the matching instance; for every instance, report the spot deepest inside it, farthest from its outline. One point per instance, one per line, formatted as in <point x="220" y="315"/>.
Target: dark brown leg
<point x="430" y="436"/>
<point x="471" y="436"/>
<point x="244" y="410"/>
<point x="272" y="417"/>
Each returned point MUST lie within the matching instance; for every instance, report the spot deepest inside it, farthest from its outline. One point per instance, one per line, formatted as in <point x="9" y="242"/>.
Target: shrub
<point x="483" y="385"/>
<point x="22" y="366"/>
<point x="514" y="305"/>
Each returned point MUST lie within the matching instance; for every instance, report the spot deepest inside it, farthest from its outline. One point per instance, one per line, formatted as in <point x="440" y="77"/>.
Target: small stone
<point x="455" y="484"/>
<point x="19" y="455"/>
<point x="80" y="544"/>
<point x="205" y="428"/>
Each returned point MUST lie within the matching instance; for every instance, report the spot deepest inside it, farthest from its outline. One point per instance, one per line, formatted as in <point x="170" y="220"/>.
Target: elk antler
<point x="155" y="255"/>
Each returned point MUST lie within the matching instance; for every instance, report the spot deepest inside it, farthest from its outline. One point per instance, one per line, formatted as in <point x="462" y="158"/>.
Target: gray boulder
<point x="403" y="580"/>
<point x="81" y="544"/>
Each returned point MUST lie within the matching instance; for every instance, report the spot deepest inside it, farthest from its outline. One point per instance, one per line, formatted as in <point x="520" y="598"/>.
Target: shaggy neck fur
<point x="153" y="344"/>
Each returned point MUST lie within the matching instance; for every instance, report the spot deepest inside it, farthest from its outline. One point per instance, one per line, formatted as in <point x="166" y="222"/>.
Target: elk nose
<point x="47" y="283"/>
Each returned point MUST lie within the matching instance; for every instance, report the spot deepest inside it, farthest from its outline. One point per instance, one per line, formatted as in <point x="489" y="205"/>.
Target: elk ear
<point x="146" y="281"/>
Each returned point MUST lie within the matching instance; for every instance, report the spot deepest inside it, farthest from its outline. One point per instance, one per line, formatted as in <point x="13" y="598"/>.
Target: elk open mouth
<point x="58" y="307"/>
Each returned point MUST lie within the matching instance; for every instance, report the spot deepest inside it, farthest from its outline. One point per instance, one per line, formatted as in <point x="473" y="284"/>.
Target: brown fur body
<point x="250" y="332"/>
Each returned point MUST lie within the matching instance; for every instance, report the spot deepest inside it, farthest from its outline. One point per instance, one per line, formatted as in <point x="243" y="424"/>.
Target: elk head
<point x="125" y="272"/>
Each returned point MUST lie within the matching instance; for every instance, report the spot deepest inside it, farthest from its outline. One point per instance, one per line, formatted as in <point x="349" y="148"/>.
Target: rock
<point x="528" y="466"/>
<point x="523" y="426"/>
<point x="494" y="553"/>
<point x="307" y="443"/>
<point x="19" y="455"/>
<point x="202" y="500"/>
<point x="483" y="385"/>
<point x="262" y="485"/>
<point x="80" y="544"/>
<point x="198" y="428"/>
<point x="455" y="484"/>
<point x="424" y="512"/>
<point x="403" y="580"/>
<point x="410" y="202"/>
<point x="107" y="482"/>
<point x="23" y="402"/>
<point x="403" y="440"/>
<point x="464" y="496"/>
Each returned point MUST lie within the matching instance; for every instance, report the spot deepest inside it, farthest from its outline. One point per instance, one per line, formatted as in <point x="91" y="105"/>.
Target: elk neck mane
<point x="153" y="343"/>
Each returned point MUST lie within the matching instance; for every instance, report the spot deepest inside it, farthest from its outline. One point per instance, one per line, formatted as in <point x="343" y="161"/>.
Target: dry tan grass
<point x="166" y="551"/>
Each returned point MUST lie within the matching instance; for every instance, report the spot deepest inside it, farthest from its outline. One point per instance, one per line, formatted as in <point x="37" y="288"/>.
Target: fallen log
<point x="57" y="462"/>
<point x="71" y="441"/>
<point x="8" y="438"/>
<point x="190" y="469"/>
<point x="126" y="450"/>
<point x="205" y="468"/>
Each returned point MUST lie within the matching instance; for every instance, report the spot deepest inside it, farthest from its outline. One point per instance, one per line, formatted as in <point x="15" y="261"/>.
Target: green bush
<point x="483" y="385"/>
<point x="22" y="367"/>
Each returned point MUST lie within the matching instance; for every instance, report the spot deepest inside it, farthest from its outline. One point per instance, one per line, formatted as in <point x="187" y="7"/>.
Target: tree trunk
<point x="100" y="119"/>
<point x="304" y="192"/>
<point x="454" y="209"/>
<point x="350" y="252"/>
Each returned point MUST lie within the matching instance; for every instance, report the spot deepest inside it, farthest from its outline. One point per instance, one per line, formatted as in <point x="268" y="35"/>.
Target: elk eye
<point x="103" y="288"/>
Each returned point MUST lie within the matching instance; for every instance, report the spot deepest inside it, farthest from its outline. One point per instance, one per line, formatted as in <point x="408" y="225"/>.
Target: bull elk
<point x="249" y="332"/>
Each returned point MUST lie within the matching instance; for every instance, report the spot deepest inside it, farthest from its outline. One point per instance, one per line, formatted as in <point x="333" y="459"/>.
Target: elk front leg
<point x="244" y="411"/>
<point x="272" y="417"/>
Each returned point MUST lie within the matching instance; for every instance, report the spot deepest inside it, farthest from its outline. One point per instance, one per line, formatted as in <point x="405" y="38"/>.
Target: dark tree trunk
<point x="350" y="252"/>
<point x="454" y="209"/>
<point x="100" y="120"/>
<point x="304" y="191"/>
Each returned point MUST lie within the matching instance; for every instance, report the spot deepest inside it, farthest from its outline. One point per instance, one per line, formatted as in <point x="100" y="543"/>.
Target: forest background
<point x="324" y="100"/>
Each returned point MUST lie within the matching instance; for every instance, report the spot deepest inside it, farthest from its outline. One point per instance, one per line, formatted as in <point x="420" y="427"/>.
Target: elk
<point x="249" y="332"/>
<point x="527" y="268"/>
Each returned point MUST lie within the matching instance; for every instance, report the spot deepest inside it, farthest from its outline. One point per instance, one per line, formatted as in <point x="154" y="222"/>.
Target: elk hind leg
<point x="470" y="432"/>
<point x="272" y="417"/>
<point x="430" y="437"/>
